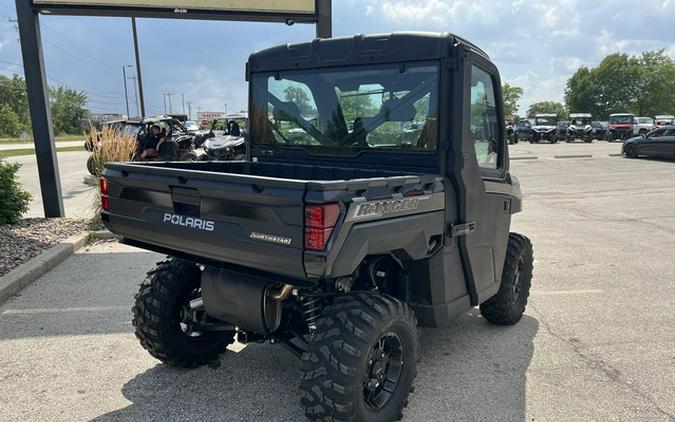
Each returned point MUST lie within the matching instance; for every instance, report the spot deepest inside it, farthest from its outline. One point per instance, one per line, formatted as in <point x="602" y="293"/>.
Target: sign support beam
<point x="40" y="114"/>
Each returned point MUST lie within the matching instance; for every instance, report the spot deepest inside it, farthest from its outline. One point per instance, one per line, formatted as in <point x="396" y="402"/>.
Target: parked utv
<point x="544" y="128"/>
<point x="380" y="202"/>
<point x="523" y="130"/>
<point x="227" y="140"/>
<point x="643" y="125"/>
<point x="663" y="120"/>
<point x="180" y="141"/>
<point x="580" y="128"/>
<point x="620" y="126"/>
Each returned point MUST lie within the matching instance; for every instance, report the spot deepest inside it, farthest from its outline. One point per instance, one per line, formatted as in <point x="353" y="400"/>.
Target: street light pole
<point x="141" y="99"/>
<point x="126" y="96"/>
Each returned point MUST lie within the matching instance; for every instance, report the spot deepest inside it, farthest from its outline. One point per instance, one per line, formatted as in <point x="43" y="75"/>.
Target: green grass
<point x="62" y="138"/>
<point x="31" y="151"/>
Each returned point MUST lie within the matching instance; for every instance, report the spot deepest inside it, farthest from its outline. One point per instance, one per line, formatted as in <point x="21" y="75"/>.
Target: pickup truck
<point x="376" y="196"/>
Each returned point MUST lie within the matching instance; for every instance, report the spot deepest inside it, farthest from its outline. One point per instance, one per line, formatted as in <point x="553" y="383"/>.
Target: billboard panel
<point x="294" y="7"/>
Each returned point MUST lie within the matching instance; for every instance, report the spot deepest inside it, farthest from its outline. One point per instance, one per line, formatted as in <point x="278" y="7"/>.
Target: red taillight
<point x="319" y="223"/>
<point x="105" y="201"/>
<point x="104" y="186"/>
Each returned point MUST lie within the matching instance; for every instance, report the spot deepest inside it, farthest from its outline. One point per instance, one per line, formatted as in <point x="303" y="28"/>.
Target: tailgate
<point x="246" y="220"/>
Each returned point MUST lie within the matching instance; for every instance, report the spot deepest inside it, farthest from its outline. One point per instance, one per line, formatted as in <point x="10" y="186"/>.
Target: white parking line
<point x="30" y="311"/>
<point x="565" y="292"/>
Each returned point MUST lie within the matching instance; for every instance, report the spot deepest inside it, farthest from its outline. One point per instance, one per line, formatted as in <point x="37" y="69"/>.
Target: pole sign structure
<point x="290" y="12"/>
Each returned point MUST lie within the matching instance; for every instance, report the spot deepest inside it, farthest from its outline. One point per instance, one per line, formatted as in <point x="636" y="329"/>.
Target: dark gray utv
<point x="376" y="197"/>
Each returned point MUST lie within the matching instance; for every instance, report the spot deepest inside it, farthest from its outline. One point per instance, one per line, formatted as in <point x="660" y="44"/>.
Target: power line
<point x="74" y="45"/>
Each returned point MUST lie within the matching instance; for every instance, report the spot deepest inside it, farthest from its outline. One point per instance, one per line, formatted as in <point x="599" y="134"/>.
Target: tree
<point x="10" y="125"/>
<point x="299" y="96"/>
<point x="643" y="85"/>
<point x="546" y="107"/>
<point x="13" y="95"/>
<point x="67" y="109"/>
<point x="511" y="95"/>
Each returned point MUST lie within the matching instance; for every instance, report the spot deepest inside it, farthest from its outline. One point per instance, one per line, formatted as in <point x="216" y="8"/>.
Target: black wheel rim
<point x="517" y="282"/>
<point x="383" y="372"/>
<point x="188" y="317"/>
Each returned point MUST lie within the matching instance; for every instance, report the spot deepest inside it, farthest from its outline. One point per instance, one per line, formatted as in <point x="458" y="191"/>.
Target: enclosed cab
<point x="663" y="120"/>
<point x="621" y="126"/>
<point x="376" y="196"/>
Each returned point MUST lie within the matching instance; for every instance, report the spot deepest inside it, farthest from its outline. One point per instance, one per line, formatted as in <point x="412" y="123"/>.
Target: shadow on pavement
<point x="471" y="371"/>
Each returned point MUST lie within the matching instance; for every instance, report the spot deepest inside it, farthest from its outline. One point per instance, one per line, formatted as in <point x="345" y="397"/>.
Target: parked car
<point x="620" y="126"/>
<point x="580" y="128"/>
<point x="523" y="130"/>
<point x="643" y="125"/>
<point x="544" y="128"/>
<point x="657" y="143"/>
<point x="337" y="246"/>
<point x="600" y="130"/>
<point x="663" y="120"/>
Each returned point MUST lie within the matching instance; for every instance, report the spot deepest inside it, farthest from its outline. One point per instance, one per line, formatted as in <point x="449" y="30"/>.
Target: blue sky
<point x="536" y="45"/>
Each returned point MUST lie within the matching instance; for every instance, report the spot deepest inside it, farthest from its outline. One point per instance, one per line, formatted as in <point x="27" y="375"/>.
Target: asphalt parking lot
<point x="597" y="341"/>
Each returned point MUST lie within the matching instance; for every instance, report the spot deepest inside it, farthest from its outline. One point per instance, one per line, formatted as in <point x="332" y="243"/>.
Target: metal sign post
<point x="40" y="115"/>
<point x="290" y="12"/>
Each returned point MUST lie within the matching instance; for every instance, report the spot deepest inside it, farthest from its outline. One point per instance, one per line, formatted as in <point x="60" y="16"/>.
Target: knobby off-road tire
<point x="508" y="305"/>
<point x="345" y="375"/>
<point x="162" y="298"/>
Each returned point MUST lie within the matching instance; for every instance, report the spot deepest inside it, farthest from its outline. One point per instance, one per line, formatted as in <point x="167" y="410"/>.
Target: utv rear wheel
<point x="508" y="305"/>
<point x="163" y="320"/>
<point x="361" y="361"/>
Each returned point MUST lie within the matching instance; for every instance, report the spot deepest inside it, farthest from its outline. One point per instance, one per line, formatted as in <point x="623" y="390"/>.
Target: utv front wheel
<point x="361" y="360"/>
<point x="508" y="305"/>
<point x="164" y="321"/>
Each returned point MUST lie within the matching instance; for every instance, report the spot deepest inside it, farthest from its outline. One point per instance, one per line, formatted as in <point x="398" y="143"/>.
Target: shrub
<point x="113" y="146"/>
<point x="13" y="199"/>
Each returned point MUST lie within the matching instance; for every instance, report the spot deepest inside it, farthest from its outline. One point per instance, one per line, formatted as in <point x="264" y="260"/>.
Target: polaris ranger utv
<point x="376" y="197"/>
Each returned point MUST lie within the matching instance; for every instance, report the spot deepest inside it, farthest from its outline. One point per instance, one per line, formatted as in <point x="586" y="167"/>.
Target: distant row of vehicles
<point x="581" y="126"/>
<point x="224" y="140"/>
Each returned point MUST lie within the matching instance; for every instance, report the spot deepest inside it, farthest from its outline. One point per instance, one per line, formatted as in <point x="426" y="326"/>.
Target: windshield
<point x="190" y="125"/>
<point x="581" y="121"/>
<point x="342" y="111"/>
<point x="645" y="120"/>
<point x="545" y="121"/>
<point x="628" y="119"/>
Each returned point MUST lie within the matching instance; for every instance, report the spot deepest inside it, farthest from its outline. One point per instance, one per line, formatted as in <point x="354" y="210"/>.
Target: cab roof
<point x="574" y="115"/>
<point x="359" y="49"/>
<point x="545" y="115"/>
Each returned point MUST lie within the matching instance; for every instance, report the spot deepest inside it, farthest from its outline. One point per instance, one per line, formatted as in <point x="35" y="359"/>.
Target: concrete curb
<point x="28" y="272"/>
<point x="615" y="155"/>
<point x="522" y="158"/>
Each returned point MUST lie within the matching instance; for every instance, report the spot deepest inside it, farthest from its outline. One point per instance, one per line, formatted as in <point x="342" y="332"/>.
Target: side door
<point x="485" y="192"/>
<point x="668" y="140"/>
<point x="651" y="144"/>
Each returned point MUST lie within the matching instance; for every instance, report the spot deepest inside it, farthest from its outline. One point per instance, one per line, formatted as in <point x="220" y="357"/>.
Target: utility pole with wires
<point x="189" y="110"/>
<point x="182" y="97"/>
<point x="126" y="96"/>
<point x="168" y="95"/>
<point x="136" y="95"/>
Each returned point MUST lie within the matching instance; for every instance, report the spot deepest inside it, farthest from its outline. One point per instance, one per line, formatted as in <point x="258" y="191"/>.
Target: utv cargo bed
<point x="248" y="213"/>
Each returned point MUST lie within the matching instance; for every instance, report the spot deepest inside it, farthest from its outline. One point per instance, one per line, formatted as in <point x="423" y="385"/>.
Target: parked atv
<point x="580" y="128"/>
<point x="227" y="140"/>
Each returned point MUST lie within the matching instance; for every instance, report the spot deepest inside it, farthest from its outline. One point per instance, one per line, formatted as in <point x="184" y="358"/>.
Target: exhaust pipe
<point x="281" y="294"/>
